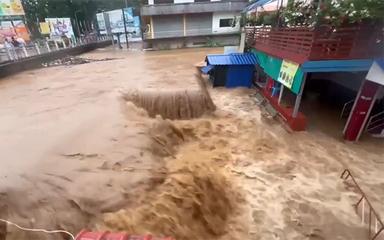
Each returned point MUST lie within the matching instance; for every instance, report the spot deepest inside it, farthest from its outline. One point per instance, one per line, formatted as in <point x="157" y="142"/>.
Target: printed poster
<point x="44" y="28"/>
<point x="287" y="73"/>
<point x="17" y="28"/>
<point x="60" y="27"/>
<point x="11" y="8"/>
<point x="21" y="30"/>
<point x="101" y="23"/>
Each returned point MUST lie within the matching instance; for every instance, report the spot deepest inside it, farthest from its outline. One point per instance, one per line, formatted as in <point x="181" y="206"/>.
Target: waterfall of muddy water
<point x="194" y="202"/>
<point x="181" y="104"/>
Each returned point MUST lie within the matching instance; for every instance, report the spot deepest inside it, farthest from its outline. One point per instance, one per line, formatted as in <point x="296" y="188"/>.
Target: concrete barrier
<point x="9" y="68"/>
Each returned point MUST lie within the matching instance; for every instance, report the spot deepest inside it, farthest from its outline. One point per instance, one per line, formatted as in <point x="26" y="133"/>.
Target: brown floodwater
<point x="75" y="154"/>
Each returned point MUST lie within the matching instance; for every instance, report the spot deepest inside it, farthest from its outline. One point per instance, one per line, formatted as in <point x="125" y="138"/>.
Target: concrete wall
<point x="197" y="41"/>
<point x="217" y="16"/>
<point x="10" y="68"/>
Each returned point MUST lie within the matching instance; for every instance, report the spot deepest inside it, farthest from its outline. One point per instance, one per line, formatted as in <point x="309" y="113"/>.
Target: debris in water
<point x="73" y="60"/>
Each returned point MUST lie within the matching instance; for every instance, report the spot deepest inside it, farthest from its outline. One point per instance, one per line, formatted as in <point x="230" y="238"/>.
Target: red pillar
<point x="364" y="102"/>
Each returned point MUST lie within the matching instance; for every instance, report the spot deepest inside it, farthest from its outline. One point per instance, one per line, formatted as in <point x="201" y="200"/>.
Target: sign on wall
<point x="11" y="8"/>
<point x="272" y="67"/>
<point x="287" y="73"/>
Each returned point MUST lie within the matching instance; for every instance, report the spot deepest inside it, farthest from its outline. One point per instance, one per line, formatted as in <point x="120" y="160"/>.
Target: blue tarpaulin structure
<point x="231" y="70"/>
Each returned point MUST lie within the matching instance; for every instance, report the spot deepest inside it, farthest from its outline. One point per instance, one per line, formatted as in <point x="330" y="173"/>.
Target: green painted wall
<point x="272" y="65"/>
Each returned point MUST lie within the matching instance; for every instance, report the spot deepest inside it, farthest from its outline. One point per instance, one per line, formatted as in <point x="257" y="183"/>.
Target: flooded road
<point x="77" y="150"/>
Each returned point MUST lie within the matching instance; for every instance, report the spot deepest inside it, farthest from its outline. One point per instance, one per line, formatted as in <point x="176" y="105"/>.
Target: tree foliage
<point x="85" y="10"/>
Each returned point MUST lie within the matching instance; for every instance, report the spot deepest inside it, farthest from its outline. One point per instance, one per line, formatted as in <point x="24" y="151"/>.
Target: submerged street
<point x="76" y="154"/>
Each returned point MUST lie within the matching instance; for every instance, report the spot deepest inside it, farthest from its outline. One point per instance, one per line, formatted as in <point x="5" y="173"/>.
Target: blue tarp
<point x="232" y="59"/>
<point x="239" y="76"/>
<point x="207" y="69"/>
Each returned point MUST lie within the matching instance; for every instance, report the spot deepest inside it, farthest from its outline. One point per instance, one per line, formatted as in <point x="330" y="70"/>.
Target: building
<point x="191" y="23"/>
<point x="230" y="70"/>
<point x="324" y="78"/>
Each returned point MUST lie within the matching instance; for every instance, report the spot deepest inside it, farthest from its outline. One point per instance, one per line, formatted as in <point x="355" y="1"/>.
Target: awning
<point x="207" y="69"/>
<point x="351" y="65"/>
<point x="232" y="59"/>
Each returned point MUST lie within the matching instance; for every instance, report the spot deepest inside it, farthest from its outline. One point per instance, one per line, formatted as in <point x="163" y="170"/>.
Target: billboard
<point x="21" y="30"/>
<point x="13" y="28"/>
<point x="60" y="27"/>
<point x="116" y="22"/>
<point x="11" y="8"/>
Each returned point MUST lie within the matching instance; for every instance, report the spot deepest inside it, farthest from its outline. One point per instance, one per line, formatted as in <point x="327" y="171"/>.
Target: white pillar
<point x="37" y="48"/>
<point x="47" y="45"/>
<point x="25" y="51"/>
<point x="298" y="98"/>
<point x="9" y="54"/>
<point x="281" y="93"/>
<point x="242" y="40"/>
<point x="184" y="25"/>
<point x="57" y="46"/>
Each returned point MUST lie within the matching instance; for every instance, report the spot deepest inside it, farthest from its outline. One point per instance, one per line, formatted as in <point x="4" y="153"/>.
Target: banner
<point x="60" y="27"/>
<point x="18" y="28"/>
<point x="101" y="23"/>
<point x="44" y="28"/>
<point x="11" y="8"/>
<point x="6" y="30"/>
<point x="287" y="73"/>
<point x="21" y="30"/>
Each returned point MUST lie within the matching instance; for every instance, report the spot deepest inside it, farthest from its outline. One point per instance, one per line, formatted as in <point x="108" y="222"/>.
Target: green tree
<point x="85" y="10"/>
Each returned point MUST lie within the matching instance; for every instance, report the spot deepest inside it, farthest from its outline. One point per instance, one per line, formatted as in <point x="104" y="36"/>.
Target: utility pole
<point x="125" y="28"/>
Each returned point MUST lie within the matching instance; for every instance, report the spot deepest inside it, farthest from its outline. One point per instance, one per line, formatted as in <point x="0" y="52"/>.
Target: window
<point x="163" y="1"/>
<point x="226" y="22"/>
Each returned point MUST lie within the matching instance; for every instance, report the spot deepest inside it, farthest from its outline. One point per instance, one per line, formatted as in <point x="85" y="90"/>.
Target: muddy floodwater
<point x="87" y="146"/>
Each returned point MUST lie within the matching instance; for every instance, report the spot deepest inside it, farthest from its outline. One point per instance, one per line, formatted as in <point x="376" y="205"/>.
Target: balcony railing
<point x="177" y="33"/>
<point x="194" y="7"/>
<point x="365" y="210"/>
<point x="301" y="44"/>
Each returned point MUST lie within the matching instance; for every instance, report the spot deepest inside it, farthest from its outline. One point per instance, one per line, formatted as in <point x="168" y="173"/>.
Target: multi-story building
<point x="191" y="23"/>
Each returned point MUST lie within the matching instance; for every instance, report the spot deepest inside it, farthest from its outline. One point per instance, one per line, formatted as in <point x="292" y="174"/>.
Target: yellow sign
<point x="44" y="28"/>
<point x="11" y="7"/>
<point x="287" y="73"/>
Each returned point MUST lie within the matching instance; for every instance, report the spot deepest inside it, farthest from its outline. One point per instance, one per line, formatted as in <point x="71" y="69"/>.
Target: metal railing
<point x="370" y="216"/>
<point x="375" y="122"/>
<point x="346" y="109"/>
<point x="13" y="54"/>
